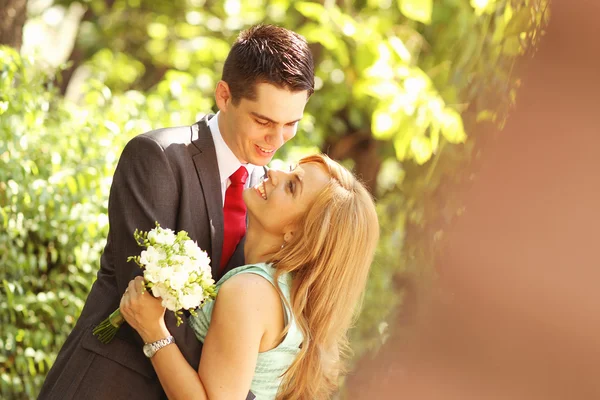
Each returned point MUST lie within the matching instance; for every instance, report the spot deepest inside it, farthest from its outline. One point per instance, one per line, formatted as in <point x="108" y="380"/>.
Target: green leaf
<point x="420" y="147"/>
<point x="518" y="23"/>
<point x="72" y="184"/>
<point x="434" y="135"/>
<point x="157" y="30"/>
<point x="483" y="6"/>
<point x="401" y="143"/>
<point x="512" y="46"/>
<point x="317" y="34"/>
<point x="417" y="10"/>
<point x="452" y="126"/>
<point x="398" y="45"/>
<point x="383" y="124"/>
<point x="486" y="115"/>
<point x="314" y="11"/>
<point x="378" y="88"/>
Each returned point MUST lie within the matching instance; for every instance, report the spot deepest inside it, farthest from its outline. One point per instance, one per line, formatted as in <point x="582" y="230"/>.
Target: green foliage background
<point x="397" y="84"/>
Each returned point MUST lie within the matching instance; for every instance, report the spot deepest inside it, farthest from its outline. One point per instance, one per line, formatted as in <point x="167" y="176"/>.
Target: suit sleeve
<point x="144" y="190"/>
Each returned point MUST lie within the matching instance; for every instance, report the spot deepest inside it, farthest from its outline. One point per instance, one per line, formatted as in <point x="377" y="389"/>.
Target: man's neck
<point x="227" y="137"/>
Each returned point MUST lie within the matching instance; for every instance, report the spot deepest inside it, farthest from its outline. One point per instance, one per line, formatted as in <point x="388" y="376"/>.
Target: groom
<point x="186" y="178"/>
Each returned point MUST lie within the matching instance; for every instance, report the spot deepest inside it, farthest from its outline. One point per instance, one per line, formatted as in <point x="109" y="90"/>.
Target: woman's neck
<point x="260" y="246"/>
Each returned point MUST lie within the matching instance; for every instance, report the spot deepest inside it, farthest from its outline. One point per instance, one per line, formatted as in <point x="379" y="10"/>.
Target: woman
<point x="278" y="325"/>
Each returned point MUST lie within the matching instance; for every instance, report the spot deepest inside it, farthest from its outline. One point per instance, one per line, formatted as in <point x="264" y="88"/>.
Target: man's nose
<point x="275" y="138"/>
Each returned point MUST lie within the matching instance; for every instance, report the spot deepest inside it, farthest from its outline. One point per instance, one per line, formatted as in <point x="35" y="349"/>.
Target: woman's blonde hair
<point x="329" y="258"/>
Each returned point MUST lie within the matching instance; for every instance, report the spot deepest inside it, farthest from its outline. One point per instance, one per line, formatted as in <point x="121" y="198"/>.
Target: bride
<point x="278" y="326"/>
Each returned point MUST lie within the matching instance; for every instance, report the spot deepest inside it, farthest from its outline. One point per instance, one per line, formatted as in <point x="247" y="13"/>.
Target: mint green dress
<point x="271" y="364"/>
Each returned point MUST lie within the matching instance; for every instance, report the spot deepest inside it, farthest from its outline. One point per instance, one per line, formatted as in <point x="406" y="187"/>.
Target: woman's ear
<point x="287" y="237"/>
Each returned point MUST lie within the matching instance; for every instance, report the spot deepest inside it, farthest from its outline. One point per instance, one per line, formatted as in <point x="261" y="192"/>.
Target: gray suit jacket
<point x="170" y="176"/>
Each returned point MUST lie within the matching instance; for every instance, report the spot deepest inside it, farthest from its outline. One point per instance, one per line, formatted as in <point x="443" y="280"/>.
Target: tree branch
<point x="13" y="14"/>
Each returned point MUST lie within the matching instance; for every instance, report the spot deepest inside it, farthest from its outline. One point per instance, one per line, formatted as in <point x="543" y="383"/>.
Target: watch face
<point x="148" y="350"/>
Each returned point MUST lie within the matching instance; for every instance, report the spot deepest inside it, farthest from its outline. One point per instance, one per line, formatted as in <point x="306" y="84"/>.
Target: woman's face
<point x="279" y="201"/>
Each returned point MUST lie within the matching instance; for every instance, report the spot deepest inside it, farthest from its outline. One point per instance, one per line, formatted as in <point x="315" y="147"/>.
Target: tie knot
<point x="239" y="177"/>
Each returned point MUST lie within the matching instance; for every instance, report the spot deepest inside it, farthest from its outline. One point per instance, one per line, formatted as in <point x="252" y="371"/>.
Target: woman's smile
<point x="260" y="189"/>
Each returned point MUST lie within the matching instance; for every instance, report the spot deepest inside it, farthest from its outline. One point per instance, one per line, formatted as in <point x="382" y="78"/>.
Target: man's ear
<point x="223" y="96"/>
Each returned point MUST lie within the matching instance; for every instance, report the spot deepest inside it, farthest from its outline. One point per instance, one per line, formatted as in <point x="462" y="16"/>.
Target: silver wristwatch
<point x="150" y="349"/>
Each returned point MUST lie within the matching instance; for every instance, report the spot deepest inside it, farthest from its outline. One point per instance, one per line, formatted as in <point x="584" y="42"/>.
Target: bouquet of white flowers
<point x="175" y="269"/>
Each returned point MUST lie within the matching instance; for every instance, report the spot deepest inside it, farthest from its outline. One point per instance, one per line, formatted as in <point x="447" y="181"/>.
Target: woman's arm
<point x="244" y="308"/>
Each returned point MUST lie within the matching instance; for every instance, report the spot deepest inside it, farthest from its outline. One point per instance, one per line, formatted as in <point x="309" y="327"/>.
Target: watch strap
<point x="159" y="344"/>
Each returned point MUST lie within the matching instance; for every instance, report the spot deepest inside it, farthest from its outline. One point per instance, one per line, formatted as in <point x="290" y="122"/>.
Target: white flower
<point x="189" y="266"/>
<point x="149" y="276"/>
<point x="206" y="277"/>
<point x="200" y="257"/>
<point x="177" y="259"/>
<point x="198" y="292"/>
<point x="170" y="302"/>
<point x="191" y="249"/>
<point x="162" y="236"/>
<point x="152" y="235"/>
<point x="165" y="273"/>
<point x="159" y="290"/>
<point x="152" y="267"/>
<point x="178" y="279"/>
<point x="204" y="268"/>
<point x="190" y="301"/>
<point x="151" y="256"/>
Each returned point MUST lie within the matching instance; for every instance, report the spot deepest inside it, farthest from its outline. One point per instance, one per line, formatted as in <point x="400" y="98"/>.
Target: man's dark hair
<point x="269" y="54"/>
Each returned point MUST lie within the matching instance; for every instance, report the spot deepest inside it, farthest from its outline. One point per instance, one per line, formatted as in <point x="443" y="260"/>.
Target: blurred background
<point x="471" y="121"/>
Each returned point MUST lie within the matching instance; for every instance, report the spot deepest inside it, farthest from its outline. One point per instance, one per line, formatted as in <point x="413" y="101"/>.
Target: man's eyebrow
<point x="257" y="115"/>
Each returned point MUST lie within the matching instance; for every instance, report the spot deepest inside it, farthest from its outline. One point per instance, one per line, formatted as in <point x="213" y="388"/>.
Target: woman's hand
<point x="143" y="312"/>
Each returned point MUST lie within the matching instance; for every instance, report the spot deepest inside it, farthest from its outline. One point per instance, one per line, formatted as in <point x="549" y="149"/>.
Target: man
<point x="186" y="178"/>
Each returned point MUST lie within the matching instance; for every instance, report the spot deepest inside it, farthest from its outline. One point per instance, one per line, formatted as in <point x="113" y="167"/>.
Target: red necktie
<point x="234" y="214"/>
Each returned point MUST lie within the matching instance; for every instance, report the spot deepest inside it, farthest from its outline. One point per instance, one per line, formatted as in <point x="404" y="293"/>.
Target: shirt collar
<point x="227" y="161"/>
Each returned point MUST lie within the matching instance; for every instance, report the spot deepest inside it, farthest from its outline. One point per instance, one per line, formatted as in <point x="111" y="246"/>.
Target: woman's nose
<point x="273" y="176"/>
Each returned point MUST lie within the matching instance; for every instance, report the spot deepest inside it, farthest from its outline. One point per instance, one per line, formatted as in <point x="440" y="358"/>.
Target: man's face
<point x="255" y="129"/>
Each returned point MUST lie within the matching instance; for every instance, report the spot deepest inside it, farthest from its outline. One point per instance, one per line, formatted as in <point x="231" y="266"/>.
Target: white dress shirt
<point x="227" y="161"/>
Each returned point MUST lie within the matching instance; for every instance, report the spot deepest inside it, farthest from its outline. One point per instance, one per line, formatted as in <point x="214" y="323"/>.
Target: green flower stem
<point x="116" y="319"/>
<point x="107" y="329"/>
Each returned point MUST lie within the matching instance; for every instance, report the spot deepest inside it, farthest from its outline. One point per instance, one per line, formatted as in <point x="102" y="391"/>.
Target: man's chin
<point x="260" y="158"/>
<point x="261" y="162"/>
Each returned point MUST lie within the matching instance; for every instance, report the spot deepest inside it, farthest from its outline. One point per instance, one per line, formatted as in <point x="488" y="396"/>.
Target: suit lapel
<point x="207" y="168"/>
